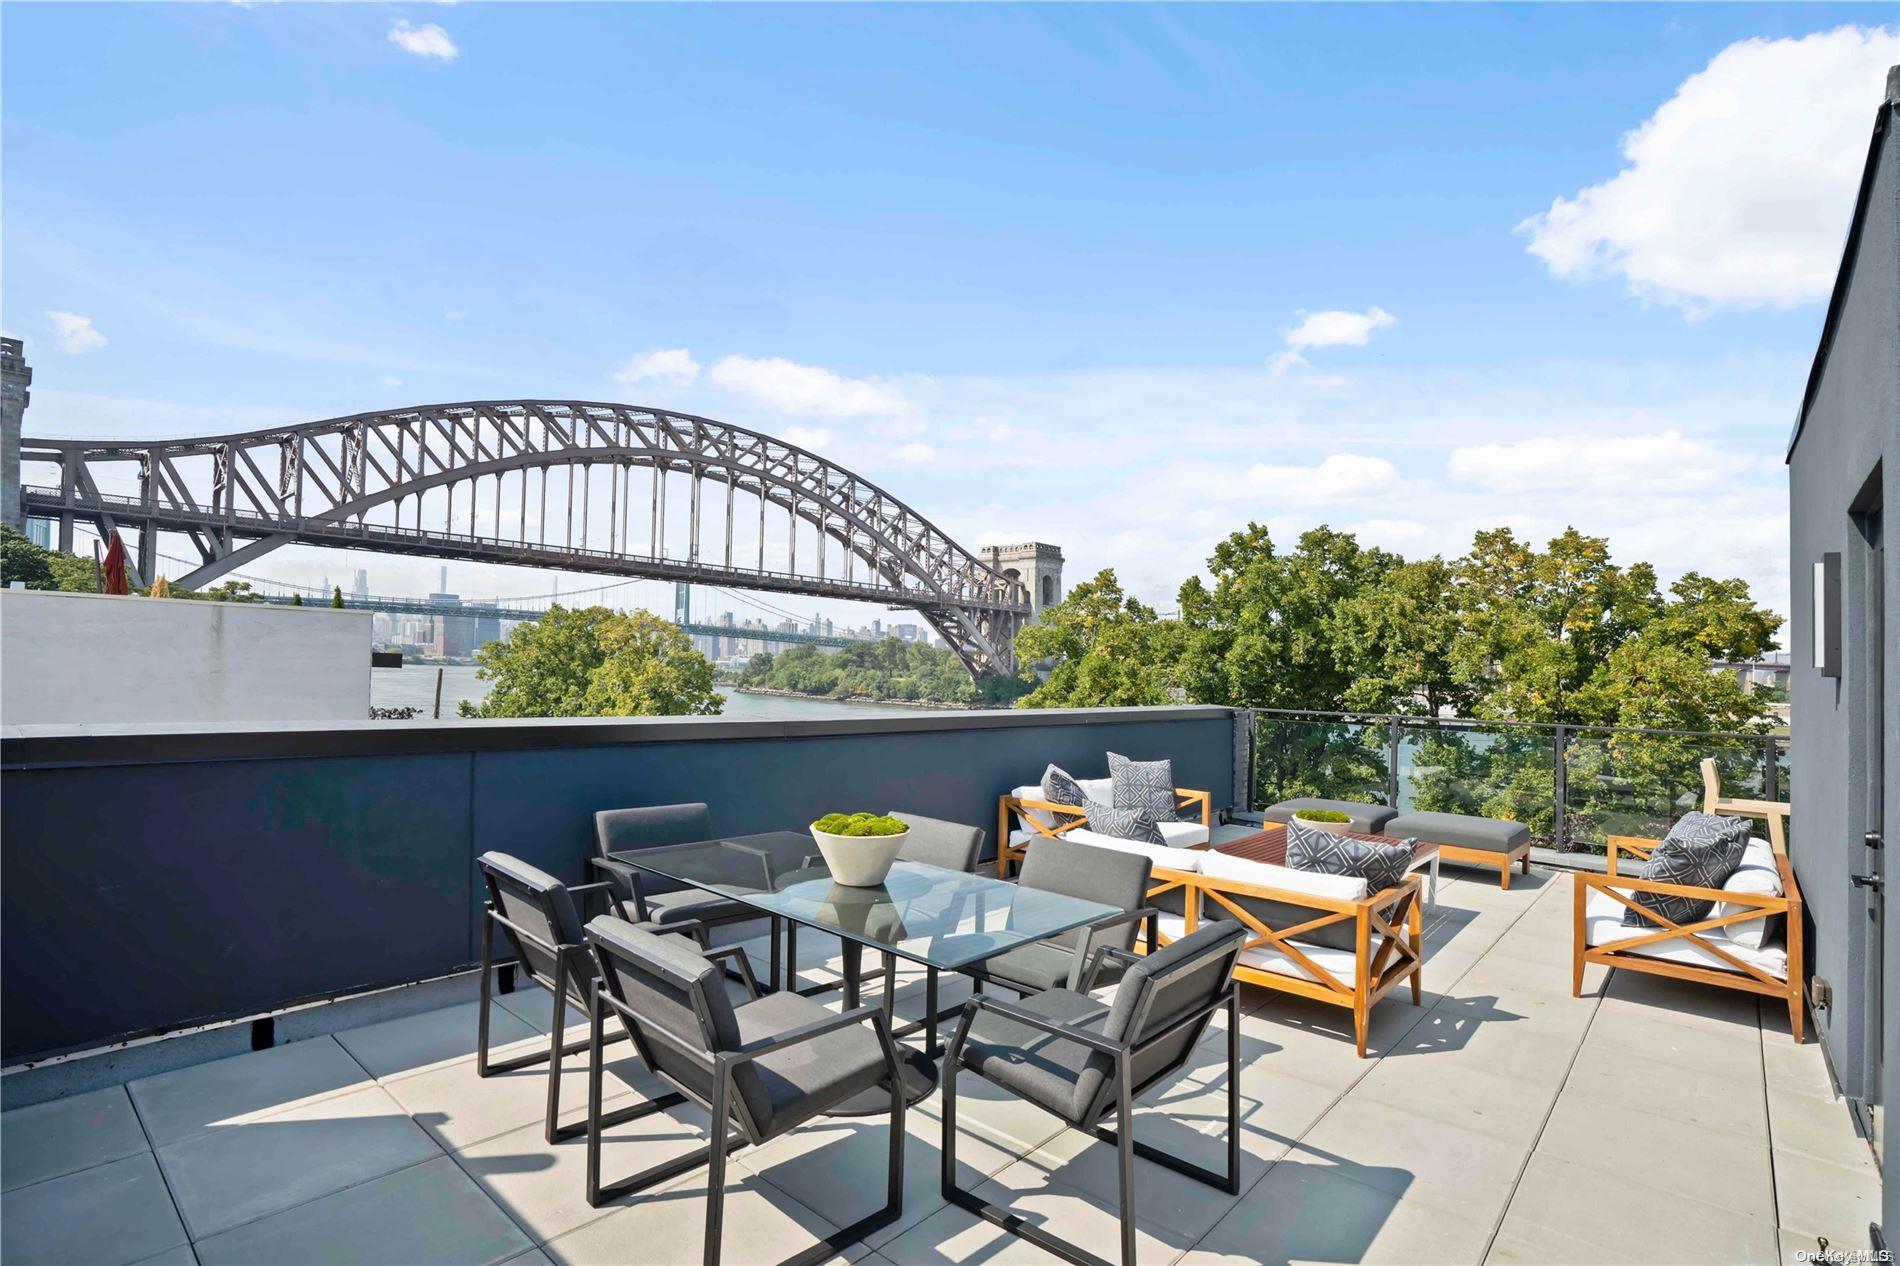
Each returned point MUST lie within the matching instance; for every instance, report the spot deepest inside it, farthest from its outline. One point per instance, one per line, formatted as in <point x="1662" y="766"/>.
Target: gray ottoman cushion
<point x="1493" y="835"/>
<point x="1367" y="819"/>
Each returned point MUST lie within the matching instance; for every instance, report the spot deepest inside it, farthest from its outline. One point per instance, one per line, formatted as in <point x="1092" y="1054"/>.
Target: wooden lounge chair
<point x="1774" y="812"/>
<point x="1704" y="950"/>
<point x="1044" y="819"/>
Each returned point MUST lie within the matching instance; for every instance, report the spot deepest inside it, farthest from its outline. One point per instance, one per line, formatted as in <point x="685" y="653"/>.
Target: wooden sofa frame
<point x="1068" y="818"/>
<point x="1386" y="932"/>
<point x="1745" y="976"/>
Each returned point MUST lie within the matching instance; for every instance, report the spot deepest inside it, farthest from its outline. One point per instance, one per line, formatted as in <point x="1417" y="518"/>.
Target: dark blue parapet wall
<point x="157" y="877"/>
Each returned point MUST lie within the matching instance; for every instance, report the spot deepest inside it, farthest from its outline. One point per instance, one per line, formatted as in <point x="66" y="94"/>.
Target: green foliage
<point x="37" y="568"/>
<point x="593" y="662"/>
<point x="229" y="591"/>
<point x="859" y="824"/>
<point x="1321" y="815"/>
<point x="888" y="669"/>
<point x="1508" y="632"/>
<point x="296" y="600"/>
<point x="1105" y="650"/>
<point x="336" y="598"/>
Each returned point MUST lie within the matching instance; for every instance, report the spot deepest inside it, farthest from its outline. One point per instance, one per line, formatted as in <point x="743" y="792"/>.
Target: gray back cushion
<point x="1322" y="852"/>
<point x="1207" y="956"/>
<point x="1701" y="851"/>
<point x="667" y="1002"/>
<point x="651" y="826"/>
<point x="1081" y="870"/>
<point x="1123" y="824"/>
<point x="935" y="842"/>
<point x="1147" y="785"/>
<point x="537" y="902"/>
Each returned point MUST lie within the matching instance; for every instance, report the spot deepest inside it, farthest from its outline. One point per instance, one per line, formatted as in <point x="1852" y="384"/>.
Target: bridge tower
<point x="15" y="374"/>
<point x="1036" y="565"/>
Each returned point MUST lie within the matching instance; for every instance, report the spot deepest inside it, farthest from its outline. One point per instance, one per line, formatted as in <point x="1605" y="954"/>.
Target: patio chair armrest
<point x="608" y="887"/>
<point x="1100" y="958"/>
<point x="817" y="1029"/>
<point x="1188" y="797"/>
<point x="1624" y="883"/>
<point x="1085" y="936"/>
<point x="1637" y="846"/>
<point x="629" y="875"/>
<point x="738" y="956"/>
<point x="1042" y="1024"/>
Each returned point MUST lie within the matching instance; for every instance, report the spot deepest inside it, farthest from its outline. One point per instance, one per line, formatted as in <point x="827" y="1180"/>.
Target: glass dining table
<point x="941" y="919"/>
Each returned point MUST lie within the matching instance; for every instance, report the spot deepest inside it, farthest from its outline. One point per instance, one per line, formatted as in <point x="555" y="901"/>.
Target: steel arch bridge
<point x="547" y="483"/>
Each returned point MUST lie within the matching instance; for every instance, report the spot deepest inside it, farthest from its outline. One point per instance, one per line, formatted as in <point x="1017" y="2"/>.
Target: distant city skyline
<point x="1120" y="279"/>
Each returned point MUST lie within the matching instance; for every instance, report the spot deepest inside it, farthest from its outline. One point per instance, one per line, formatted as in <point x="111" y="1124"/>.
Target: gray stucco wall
<point x="162" y="876"/>
<point x="1850" y="432"/>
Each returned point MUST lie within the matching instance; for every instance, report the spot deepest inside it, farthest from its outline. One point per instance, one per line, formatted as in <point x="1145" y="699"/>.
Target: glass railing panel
<point x="1628" y="782"/>
<point x="1340" y="760"/>
<point x="1488" y="771"/>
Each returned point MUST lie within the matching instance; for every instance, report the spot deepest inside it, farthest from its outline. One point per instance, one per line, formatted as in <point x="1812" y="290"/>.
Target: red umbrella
<point x="115" y="566"/>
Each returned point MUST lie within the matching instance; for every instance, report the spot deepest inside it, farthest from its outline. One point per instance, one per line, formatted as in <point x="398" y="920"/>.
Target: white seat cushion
<point x="1043" y="816"/>
<point x="1101" y="790"/>
<point x="1267" y="875"/>
<point x="1603" y="925"/>
<point x="1182" y="834"/>
<point x="1163" y="856"/>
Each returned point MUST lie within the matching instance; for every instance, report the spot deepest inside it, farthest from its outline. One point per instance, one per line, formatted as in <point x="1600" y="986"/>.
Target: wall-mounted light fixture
<point x="1827" y="615"/>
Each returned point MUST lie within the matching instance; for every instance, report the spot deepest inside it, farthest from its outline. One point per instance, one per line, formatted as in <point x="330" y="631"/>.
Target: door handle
<point x="1875" y="882"/>
<point x="1872" y="840"/>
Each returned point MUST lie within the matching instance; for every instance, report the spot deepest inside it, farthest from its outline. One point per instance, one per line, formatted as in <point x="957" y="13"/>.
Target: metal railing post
<point x="1560" y="831"/>
<point x="1770" y="772"/>
<point x="1392" y="762"/>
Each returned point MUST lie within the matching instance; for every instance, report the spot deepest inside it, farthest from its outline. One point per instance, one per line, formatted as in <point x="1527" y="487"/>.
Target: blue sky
<point x="1119" y="278"/>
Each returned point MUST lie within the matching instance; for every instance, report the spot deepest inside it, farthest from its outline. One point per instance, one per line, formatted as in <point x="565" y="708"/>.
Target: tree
<point x="22" y="560"/>
<point x="296" y="600"/>
<point x="594" y="662"/>
<point x="1108" y="650"/>
<point x="336" y="597"/>
<point x="1269" y="634"/>
<point x="1397" y="638"/>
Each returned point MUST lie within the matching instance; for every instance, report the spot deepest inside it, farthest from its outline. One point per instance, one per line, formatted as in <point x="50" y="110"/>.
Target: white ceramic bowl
<point x="859" y="861"/>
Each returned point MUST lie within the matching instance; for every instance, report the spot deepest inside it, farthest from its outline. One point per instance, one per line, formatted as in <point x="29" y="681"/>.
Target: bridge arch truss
<point x="611" y="489"/>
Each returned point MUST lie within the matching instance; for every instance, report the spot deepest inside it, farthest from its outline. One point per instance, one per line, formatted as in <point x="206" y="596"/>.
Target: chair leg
<point x="555" y="1033"/>
<point x="1125" y="1162"/>
<point x="773" y="969"/>
<point x="1233" y="1093"/>
<point x="716" y="1170"/>
<point x="481" y="1022"/>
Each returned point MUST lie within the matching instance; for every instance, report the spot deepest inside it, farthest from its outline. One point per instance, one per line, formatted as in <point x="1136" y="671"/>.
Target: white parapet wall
<point x="81" y="657"/>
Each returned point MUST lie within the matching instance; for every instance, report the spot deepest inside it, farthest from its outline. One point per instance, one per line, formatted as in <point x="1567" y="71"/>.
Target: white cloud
<point x="1340" y="477"/>
<point x="1666" y="461"/>
<point x="75" y="333"/>
<point x="813" y="439"/>
<point x="671" y="366"/>
<point x="1736" y="191"/>
<point x="1334" y="327"/>
<point x="793" y="388"/>
<point x="390" y="380"/>
<point x="427" y="40"/>
<point x="453" y="314"/>
<point x="916" y="453"/>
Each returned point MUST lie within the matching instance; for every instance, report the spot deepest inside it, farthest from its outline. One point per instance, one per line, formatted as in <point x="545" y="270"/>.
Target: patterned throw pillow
<point x="1701" y="851"/>
<point x="1122" y="824"/>
<point x="1320" y="852"/>
<point x="1147" y="785"/>
<point x="1059" y="788"/>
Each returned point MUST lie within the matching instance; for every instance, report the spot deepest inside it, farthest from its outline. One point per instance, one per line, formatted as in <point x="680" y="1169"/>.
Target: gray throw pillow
<point x="1122" y="824"/>
<point x="1320" y="852"/>
<point x="1147" y="785"/>
<point x="1701" y="851"/>
<point x="1059" y="788"/>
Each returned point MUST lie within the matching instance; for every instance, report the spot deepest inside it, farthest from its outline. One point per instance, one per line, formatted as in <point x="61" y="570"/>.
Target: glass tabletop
<point x="943" y="918"/>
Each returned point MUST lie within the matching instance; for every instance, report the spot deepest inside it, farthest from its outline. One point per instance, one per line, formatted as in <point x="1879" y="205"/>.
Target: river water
<point x="413" y="685"/>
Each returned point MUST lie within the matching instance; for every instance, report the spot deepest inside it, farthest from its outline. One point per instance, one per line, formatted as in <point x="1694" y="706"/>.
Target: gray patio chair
<point x="656" y="899"/>
<point x="1081" y="1059"/>
<point x="1080" y="870"/>
<point x="764" y="1067"/>
<point x="536" y="913"/>
<point x="933" y="842"/>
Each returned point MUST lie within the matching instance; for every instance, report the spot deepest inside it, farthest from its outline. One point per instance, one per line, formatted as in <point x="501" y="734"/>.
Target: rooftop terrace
<point x="1501" y="1121"/>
